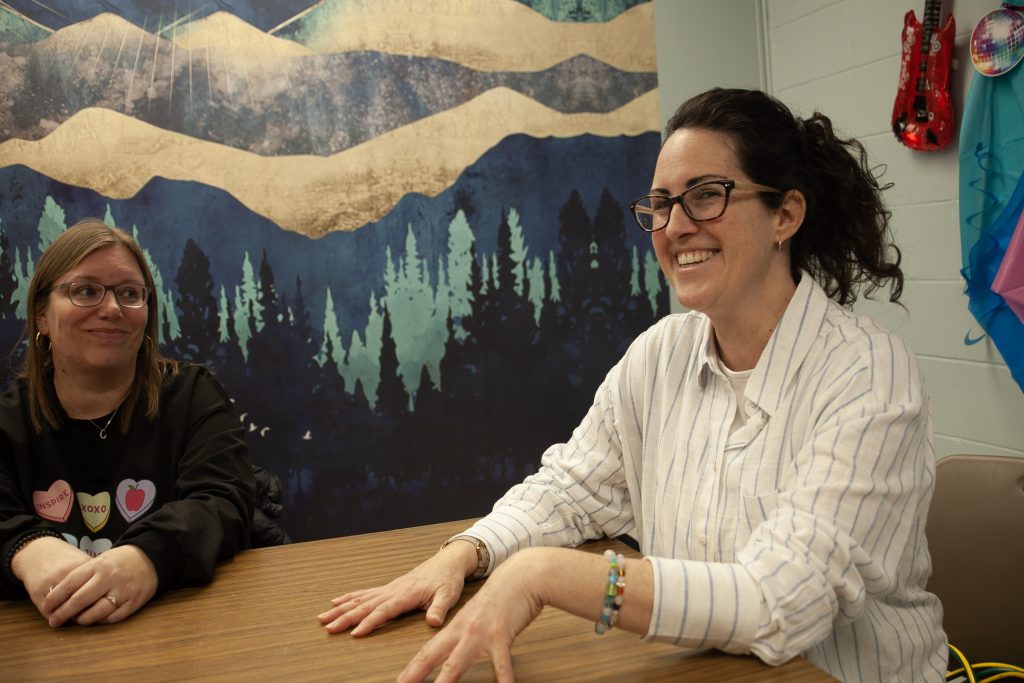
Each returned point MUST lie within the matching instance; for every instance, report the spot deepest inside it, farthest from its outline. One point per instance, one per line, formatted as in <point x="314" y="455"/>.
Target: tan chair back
<point x="976" y="538"/>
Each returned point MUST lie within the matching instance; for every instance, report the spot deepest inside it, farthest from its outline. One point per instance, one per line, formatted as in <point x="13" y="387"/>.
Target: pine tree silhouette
<point x="11" y="325"/>
<point x="198" y="311"/>
<point x="392" y="399"/>
<point x="8" y="280"/>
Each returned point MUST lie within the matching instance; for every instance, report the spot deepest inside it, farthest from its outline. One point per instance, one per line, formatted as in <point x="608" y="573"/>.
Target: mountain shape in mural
<point x="300" y="193"/>
<point x="475" y="33"/>
<point x="225" y="32"/>
<point x="169" y="213"/>
<point x="255" y="92"/>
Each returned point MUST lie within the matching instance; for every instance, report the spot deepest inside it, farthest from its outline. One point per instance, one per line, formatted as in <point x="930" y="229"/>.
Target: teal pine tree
<point x="223" y="317"/>
<point x="51" y="223"/>
<point x="535" y="277"/>
<point x="634" y="274"/>
<point x="331" y="347"/>
<point x="556" y="291"/>
<point x="419" y="329"/>
<point x="519" y="252"/>
<point x="652" y="280"/>
<point x="459" y="270"/>
<point x="23" y="274"/>
<point x="243" y="328"/>
<point x="169" y="327"/>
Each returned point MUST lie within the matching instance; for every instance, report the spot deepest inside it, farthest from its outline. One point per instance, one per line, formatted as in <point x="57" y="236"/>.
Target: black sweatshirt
<point x="180" y="487"/>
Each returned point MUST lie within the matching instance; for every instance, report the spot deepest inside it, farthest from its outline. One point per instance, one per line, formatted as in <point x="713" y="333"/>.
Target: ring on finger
<point x="113" y="601"/>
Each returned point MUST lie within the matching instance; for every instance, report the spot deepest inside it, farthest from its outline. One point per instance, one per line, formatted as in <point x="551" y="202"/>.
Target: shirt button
<point x="702" y="540"/>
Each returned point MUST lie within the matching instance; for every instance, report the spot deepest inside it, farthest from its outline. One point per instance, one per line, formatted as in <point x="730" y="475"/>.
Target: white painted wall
<point x="842" y="58"/>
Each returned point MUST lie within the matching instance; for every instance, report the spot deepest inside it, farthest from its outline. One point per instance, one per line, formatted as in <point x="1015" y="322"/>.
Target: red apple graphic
<point x="134" y="498"/>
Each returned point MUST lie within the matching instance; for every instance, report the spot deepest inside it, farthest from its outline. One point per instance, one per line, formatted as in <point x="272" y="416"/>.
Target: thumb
<point x="443" y="601"/>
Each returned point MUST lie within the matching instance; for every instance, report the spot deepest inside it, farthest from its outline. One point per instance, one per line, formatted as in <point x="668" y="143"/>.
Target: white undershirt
<point x="744" y="408"/>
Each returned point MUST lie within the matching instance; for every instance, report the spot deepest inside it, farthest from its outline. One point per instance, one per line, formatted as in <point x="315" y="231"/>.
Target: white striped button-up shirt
<point x="800" y="533"/>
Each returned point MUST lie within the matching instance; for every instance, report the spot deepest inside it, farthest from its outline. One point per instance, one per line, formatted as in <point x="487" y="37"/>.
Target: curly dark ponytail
<point x="845" y="242"/>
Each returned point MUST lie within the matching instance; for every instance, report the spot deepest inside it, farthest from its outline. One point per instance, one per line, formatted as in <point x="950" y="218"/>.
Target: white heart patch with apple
<point x="95" y="509"/>
<point x="94" y="548"/>
<point x="54" y="503"/>
<point x="135" y="497"/>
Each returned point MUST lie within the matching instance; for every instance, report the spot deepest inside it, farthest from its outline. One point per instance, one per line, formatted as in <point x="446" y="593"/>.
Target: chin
<point x="690" y="299"/>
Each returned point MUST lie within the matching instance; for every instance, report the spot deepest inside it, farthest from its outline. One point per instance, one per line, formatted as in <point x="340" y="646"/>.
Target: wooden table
<point x="257" y="622"/>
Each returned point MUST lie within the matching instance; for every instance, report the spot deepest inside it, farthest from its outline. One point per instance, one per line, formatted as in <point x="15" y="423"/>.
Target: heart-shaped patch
<point x="135" y="497"/>
<point x="94" y="548"/>
<point x="54" y="503"/>
<point x="95" y="509"/>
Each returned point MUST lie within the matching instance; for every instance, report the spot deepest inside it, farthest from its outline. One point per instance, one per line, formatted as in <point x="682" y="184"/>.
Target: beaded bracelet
<point x="27" y="538"/>
<point x="614" y="595"/>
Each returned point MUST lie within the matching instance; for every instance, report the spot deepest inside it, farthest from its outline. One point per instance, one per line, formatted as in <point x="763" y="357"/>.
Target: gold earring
<point x="779" y="247"/>
<point x="39" y="343"/>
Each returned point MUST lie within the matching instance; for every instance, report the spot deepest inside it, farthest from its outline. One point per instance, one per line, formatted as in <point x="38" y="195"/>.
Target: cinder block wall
<point x="842" y="57"/>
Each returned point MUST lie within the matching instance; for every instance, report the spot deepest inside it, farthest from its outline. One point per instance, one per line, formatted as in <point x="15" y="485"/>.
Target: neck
<point x="742" y="338"/>
<point x="87" y="396"/>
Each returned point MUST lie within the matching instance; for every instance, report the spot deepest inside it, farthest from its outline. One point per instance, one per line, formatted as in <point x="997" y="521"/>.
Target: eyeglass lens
<point x="702" y="203"/>
<point x="91" y="294"/>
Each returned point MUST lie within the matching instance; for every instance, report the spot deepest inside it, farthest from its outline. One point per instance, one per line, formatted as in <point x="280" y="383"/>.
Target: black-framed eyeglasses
<point x="88" y="294"/>
<point x="704" y="201"/>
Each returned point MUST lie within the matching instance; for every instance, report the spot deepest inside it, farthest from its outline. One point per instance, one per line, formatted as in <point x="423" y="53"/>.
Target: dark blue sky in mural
<point x="57" y="14"/>
<point x="266" y="15"/>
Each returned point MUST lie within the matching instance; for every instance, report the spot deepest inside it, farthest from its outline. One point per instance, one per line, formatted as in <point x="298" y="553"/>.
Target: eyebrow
<point x="95" y="280"/>
<point x="696" y="180"/>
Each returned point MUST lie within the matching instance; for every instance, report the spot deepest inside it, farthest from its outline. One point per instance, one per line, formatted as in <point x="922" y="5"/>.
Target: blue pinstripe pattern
<point x="800" y="532"/>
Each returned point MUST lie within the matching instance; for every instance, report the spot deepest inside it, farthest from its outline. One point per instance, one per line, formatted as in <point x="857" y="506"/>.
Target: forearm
<point x="576" y="582"/>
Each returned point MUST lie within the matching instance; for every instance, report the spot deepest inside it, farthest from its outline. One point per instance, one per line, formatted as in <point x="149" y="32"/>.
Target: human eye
<point x="84" y="290"/>
<point x="709" y="191"/>
<point x="660" y="203"/>
<point x="130" y="294"/>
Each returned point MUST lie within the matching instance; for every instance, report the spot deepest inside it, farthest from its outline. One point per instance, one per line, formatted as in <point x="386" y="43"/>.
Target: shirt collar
<point x="789" y="344"/>
<point x="786" y="348"/>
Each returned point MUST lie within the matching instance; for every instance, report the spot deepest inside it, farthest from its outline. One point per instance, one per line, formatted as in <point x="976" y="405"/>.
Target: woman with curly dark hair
<point x="770" y="451"/>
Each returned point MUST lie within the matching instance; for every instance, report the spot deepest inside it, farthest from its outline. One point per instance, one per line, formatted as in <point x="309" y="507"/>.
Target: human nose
<point x="108" y="305"/>
<point x="679" y="222"/>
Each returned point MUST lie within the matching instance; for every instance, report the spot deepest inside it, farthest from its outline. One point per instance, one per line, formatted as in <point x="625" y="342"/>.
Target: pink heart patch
<point x="54" y="503"/>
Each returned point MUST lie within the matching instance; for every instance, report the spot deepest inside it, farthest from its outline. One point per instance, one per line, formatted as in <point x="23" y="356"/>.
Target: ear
<point x="790" y="215"/>
<point x="42" y="326"/>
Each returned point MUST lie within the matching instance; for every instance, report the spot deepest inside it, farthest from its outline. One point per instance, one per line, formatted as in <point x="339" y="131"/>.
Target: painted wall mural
<point x="396" y="229"/>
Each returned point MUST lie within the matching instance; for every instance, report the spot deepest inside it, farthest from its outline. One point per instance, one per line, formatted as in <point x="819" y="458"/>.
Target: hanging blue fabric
<point x="991" y="201"/>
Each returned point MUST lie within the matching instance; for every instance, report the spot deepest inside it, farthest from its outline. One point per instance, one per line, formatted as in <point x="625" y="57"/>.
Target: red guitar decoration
<point x="922" y="117"/>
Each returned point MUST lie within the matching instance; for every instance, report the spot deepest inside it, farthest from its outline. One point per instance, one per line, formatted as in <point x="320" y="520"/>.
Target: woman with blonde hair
<point x="122" y="473"/>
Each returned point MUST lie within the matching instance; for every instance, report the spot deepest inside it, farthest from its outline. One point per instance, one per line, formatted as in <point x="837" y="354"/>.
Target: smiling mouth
<point x="690" y="258"/>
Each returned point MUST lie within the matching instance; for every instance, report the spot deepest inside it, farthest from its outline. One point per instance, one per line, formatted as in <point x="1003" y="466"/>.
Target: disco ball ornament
<point x="997" y="43"/>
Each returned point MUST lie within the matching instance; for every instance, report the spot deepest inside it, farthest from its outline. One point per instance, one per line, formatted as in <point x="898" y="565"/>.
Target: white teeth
<point x="692" y="257"/>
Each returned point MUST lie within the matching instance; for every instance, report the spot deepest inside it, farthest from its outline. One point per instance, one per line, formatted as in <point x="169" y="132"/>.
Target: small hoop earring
<point x="146" y="339"/>
<point x="39" y="344"/>
<point x="779" y="247"/>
